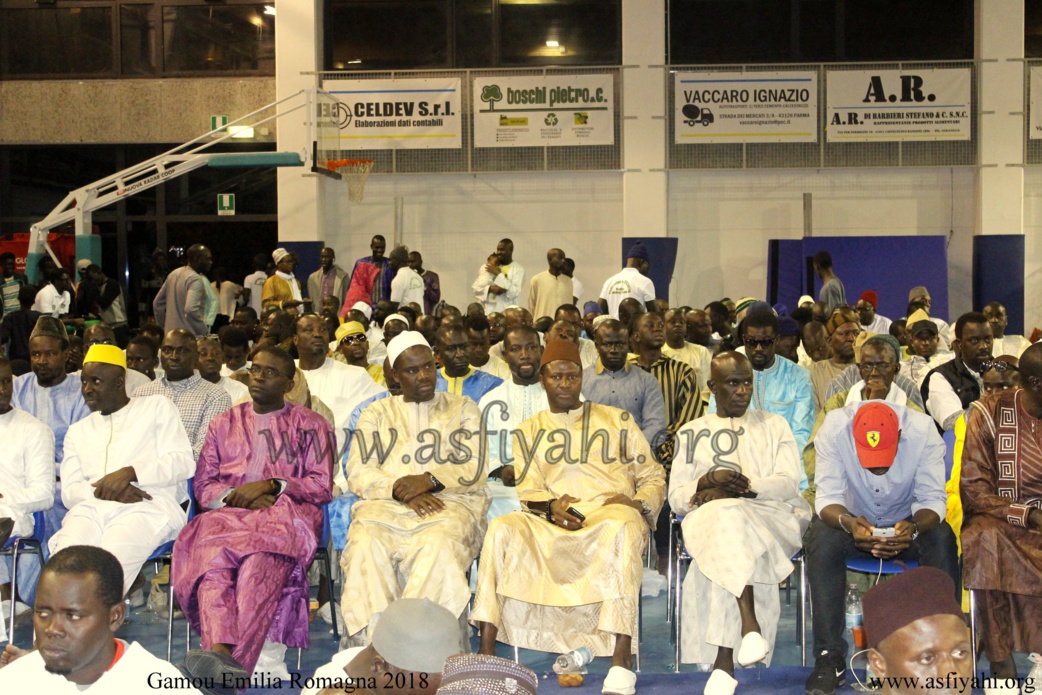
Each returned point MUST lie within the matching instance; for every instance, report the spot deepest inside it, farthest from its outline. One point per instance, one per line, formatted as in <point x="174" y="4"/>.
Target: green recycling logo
<point x="551" y="119"/>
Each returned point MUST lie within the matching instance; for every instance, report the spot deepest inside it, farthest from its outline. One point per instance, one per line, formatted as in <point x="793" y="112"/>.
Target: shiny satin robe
<point x="554" y="590"/>
<point x="391" y="551"/>
<point x="295" y="445"/>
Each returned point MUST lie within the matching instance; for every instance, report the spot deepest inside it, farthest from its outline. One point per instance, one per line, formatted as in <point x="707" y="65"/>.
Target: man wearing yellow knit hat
<point x="352" y="347"/>
<point x="124" y="468"/>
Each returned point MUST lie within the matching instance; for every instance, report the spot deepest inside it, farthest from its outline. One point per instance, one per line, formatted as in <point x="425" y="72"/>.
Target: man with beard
<point x="843" y="328"/>
<point x="499" y="281"/>
<point x="507" y="406"/>
<point x="779" y="386"/>
<point x="421" y="514"/>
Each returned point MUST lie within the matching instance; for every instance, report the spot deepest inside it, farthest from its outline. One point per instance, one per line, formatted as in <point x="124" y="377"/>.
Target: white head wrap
<point x="279" y="254"/>
<point x="397" y="317"/>
<point x="364" y="308"/>
<point x="402" y="342"/>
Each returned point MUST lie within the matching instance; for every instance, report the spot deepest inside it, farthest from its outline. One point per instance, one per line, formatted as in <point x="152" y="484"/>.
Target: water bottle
<point x="573" y="661"/>
<point x="1035" y="677"/>
<point x="855" y="617"/>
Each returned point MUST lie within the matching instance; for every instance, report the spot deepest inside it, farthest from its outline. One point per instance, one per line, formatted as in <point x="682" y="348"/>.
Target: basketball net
<point x="355" y="172"/>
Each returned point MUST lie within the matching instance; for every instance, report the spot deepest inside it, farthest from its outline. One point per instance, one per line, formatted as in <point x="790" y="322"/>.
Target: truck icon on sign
<point x="693" y="114"/>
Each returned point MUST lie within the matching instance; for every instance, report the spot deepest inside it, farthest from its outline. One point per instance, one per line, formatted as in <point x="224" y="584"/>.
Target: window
<point x="418" y="34"/>
<point x="135" y="38"/>
<point x="799" y="31"/>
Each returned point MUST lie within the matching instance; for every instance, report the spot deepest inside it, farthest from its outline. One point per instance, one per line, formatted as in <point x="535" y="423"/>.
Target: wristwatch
<point x="438" y="487"/>
<point x="915" y="533"/>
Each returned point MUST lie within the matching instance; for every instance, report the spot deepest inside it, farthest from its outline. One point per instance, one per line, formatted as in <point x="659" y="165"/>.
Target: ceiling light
<point x="552" y="44"/>
<point x="356" y="61"/>
<point x="269" y="9"/>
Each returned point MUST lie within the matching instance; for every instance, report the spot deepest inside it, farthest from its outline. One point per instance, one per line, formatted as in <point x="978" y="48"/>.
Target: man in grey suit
<point x="181" y="301"/>
<point x="329" y="280"/>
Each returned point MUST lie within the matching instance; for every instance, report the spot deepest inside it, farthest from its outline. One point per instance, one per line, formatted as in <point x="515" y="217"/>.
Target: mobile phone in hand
<point x="576" y="513"/>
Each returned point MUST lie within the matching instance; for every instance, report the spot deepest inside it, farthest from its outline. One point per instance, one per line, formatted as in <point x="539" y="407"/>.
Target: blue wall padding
<point x="662" y="252"/>
<point x="998" y="276"/>
<point x="890" y="265"/>
<point x="785" y="272"/>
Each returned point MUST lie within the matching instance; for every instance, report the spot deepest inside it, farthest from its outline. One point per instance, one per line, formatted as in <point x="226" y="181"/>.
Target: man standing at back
<point x="630" y="282"/>
<point x="499" y="282"/>
<point x="382" y="282"/>
<point x="10" y="283"/>
<point x="431" y="282"/>
<point x="253" y="284"/>
<point x="181" y="301"/>
<point x="330" y="280"/>
<point x="550" y="288"/>
<point x="407" y="285"/>
<point x="832" y="291"/>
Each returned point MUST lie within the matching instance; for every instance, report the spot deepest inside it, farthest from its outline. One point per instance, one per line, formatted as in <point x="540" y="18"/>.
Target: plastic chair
<point x="872" y="566"/>
<point x="949" y="453"/>
<point x="322" y="553"/>
<point x="165" y="553"/>
<point x="13" y="547"/>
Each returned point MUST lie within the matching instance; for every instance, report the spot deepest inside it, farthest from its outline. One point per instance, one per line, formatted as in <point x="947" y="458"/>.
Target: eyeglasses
<point x="752" y="343"/>
<point x="268" y="372"/>
<point x="352" y="339"/>
<point x="998" y="366"/>
<point x="880" y="367"/>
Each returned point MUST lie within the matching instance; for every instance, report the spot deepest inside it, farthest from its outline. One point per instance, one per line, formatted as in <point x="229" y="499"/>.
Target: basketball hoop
<point x="355" y="173"/>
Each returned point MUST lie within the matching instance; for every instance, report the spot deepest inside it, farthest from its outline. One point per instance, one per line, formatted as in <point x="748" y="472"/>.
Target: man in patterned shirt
<point x="197" y="400"/>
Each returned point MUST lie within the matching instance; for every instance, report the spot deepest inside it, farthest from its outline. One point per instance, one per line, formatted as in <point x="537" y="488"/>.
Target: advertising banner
<point x="395" y="114"/>
<point x="544" y="111"/>
<point x="714" y="107"/>
<point x="882" y="105"/>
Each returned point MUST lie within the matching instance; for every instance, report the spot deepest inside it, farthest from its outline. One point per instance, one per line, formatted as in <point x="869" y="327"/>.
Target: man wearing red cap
<point x="1001" y="489"/>
<point x="917" y="634"/>
<point x="880" y="478"/>
<point x="568" y="574"/>
<point x="866" y="310"/>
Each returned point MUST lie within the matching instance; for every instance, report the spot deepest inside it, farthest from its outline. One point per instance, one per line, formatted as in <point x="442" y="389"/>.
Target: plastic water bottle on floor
<point x="1035" y="677"/>
<point x="573" y="662"/>
<point x="855" y="617"/>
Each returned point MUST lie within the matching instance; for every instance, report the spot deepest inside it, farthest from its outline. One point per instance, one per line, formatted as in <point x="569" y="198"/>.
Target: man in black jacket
<point x="949" y="389"/>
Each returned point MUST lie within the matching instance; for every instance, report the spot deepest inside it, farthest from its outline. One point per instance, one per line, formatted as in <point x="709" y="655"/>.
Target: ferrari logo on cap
<point x="872" y="438"/>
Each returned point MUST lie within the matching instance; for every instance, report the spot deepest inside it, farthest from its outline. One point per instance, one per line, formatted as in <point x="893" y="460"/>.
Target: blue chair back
<point x="949" y="453"/>
<point x="871" y="565"/>
<point x="38" y="531"/>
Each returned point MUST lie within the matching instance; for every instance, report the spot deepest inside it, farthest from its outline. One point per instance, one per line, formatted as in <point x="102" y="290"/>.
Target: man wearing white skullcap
<point x="283" y="288"/>
<point x="415" y="466"/>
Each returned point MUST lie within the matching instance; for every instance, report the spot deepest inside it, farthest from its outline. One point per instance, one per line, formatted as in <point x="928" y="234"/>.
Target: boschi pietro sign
<point x="555" y="110"/>
<point x="745" y="107"/>
<point x="395" y="114"/>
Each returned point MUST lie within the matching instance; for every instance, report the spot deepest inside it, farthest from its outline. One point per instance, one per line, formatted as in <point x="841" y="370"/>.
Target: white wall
<point x="722" y="218"/>
<point x="1032" y="248"/>
<point x="456" y="222"/>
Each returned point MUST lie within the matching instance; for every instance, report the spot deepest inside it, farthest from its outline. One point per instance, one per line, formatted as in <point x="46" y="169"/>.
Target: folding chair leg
<point x="669" y="572"/>
<point x="332" y="602"/>
<point x="517" y="655"/>
<point x="801" y="622"/>
<point x="973" y="627"/>
<point x="677" y="619"/>
<point x="170" y="617"/>
<point x="640" y="630"/>
<point x="14" y="590"/>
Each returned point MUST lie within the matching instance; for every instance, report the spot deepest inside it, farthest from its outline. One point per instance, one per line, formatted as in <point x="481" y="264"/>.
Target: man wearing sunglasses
<point x="949" y="389"/>
<point x="352" y="347"/>
<point x="780" y="386"/>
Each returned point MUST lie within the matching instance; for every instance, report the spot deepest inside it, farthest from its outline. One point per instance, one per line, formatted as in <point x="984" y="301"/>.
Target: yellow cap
<point x="349" y="328"/>
<point x="109" y="354"/>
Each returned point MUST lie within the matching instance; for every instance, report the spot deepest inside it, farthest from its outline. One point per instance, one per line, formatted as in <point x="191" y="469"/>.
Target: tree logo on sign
<point x="491" y="94"/>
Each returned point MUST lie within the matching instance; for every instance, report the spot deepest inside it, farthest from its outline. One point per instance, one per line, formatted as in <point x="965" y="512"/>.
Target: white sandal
<point x="754" y="649"/>
<point x="720" y="683"/>
<point x="619" y="681"/>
